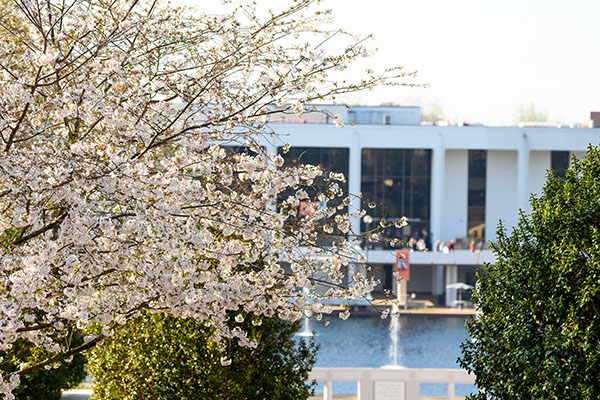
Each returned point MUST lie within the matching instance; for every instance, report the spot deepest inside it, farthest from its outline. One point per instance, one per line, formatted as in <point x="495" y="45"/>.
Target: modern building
<point x="453" y="183"/>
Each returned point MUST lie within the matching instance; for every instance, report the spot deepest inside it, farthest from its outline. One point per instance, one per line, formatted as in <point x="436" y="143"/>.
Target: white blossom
<point x="401" y="222"/>
<point x="117" y="190"/>
<point x="225" y="361"/>
<point x="337" y="121"/>
<point x="344" y="315"/>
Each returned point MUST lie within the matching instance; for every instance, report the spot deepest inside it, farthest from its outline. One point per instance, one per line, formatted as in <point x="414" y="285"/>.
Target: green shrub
<point x="538" y="334"/>
<point x="44" y="384"/>
<point x="164" y="357"/>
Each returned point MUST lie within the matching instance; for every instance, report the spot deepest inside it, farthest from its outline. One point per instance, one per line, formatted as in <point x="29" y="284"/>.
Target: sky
<point x="482" y="58"/>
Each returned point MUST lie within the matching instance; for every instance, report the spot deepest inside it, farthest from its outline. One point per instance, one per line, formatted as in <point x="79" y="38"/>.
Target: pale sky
<point x="483" y="58"/>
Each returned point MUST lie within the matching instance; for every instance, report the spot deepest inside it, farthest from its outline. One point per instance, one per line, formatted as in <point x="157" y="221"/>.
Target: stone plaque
<point x="389" y="390"/>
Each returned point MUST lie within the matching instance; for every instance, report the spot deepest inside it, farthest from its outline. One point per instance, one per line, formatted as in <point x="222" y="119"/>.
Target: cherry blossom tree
<point x="117" y="192"/>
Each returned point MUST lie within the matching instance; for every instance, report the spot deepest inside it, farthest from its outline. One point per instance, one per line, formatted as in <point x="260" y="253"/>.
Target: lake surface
<point x="422" y="342"/>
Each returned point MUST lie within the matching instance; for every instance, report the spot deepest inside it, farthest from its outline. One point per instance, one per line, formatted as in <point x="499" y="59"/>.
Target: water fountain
<point x="306" y="332"/>
<point x="394" y="337"/>
<point x="397" y="342"/>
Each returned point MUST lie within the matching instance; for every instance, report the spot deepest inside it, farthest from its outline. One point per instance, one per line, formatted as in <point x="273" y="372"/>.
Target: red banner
<point x="402" y="267"/>
<point x="310" y="207"/>
<point x="307" y="208"/>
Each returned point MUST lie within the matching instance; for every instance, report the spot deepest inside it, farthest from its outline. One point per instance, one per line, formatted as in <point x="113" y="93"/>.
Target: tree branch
<point x="62" y="356"/>
<point x="42" y="230"/>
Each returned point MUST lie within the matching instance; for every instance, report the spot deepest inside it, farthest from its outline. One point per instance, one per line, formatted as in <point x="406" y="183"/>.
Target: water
<point x="394" y="329"/>
<point x="306" y="331"/>
<point x="411" y="342"/>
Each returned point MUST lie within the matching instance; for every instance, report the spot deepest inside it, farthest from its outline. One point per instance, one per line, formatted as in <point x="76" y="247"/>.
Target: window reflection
<point x="399" y="181"/>
<point x="559" y="163"/>
<point x="476" y="196"/>
<point x="331" y="160"/>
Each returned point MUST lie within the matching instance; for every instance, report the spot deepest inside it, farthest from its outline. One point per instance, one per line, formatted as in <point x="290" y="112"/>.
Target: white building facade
<point x="453" y="183"/>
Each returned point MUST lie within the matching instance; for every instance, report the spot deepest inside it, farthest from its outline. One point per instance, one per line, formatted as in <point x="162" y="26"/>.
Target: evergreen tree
<point x="158" y="356"/>
<point x="44" y="384"/>
<point x="537" y="333"/>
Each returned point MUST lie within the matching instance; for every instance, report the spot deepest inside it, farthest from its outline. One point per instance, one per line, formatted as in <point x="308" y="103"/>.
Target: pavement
<point x="76" y="394"/>
<point x="415" y="307"/>
<point x="442" y="312"/>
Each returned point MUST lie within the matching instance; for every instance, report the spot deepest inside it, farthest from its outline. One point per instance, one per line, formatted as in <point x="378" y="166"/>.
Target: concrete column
<point x="328" y="390"/>
<point x="456" y="195"/>
<point x="352" y="268"/>
<point x="365" y="389"/>
<point x="437" y="280"/>
<point x="450" y="390"/>
<point x="270" y="147"/>
<point x="402" y="293"/>
<point x="354" y="178"/>
<point x="413" y="390"/>
<point x="523" y="173"/>
<point x="502" y="191"/>
<point x="539" y="164"/>
<point x="437" y="189"/>
<point x="451" y="277"/>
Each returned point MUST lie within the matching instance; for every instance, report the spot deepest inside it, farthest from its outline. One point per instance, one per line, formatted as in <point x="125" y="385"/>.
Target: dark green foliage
<point x="164" y="357"/>
<point x="45" y="384"/>
<point x="538" y="334"/>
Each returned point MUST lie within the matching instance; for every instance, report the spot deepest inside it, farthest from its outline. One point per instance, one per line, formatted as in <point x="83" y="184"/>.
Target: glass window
<point x="559" y="163"/>
<point x="332" y="160"/>
<point x="476" y="195"/>
<point x="231" y="150"/>
<point x="399" y="182"/>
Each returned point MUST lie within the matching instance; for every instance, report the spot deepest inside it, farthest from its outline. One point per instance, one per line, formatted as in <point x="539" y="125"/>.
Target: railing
<point x="388" y="384"/>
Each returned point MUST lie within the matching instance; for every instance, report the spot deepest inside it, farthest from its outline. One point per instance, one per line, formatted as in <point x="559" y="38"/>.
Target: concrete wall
<point x="455" y="195"/>
<point x="540" y="163"/>
<point x="456" y="257"/>
<point x="420" y="279"/>
<point x="578" y="154"/>
<point x="501" y="191"/>
<point x="450" y="184"/>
